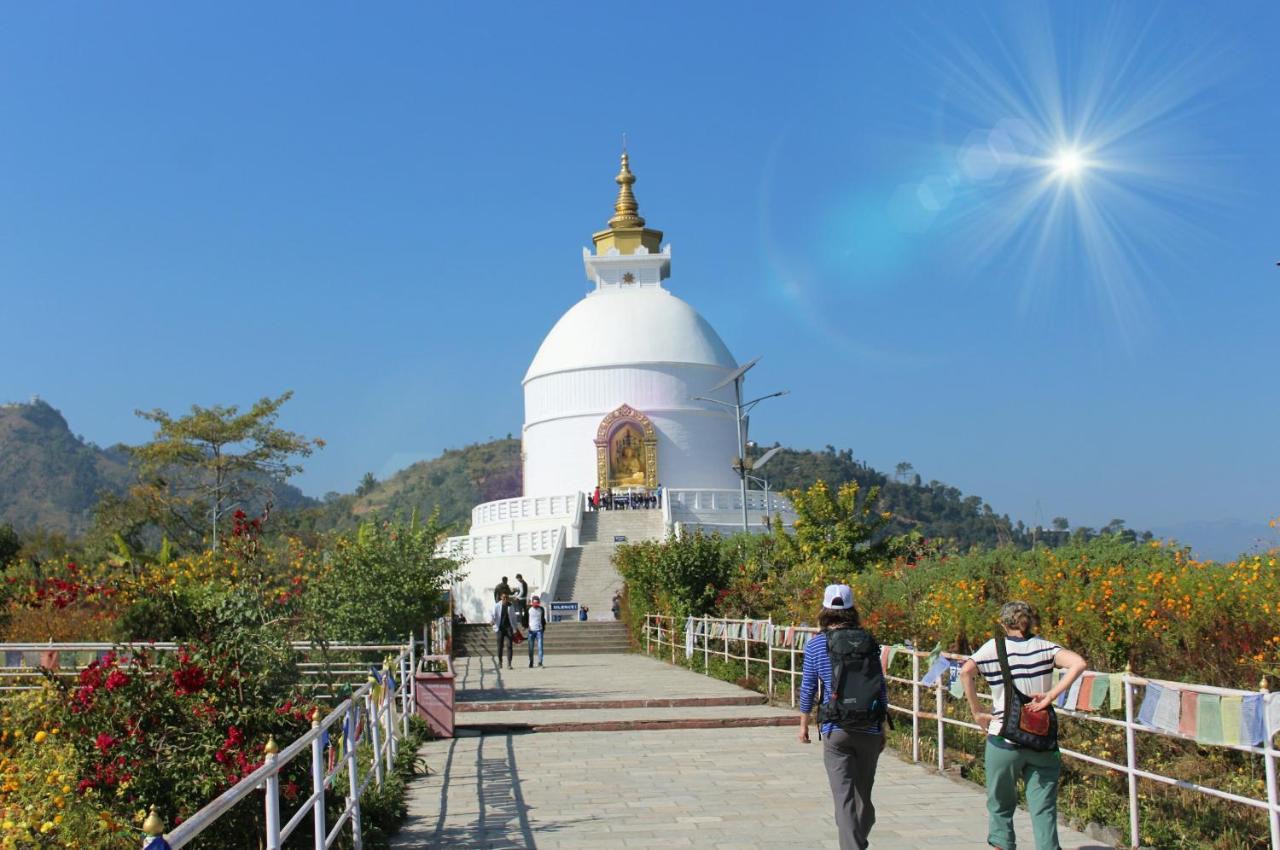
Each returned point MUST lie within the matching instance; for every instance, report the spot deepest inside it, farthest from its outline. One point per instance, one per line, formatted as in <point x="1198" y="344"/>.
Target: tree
<point x="203" y="465"/>
<point x="903" y="470"/>
<point x="10" y="544"/>
<point x="366" y="485"/>
<point x="843" y="527"/>
<point x="1060" y="523"/>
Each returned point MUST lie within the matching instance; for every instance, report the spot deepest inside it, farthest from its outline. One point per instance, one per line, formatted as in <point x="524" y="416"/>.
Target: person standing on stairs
<point x="506" y="625"/>
<point x="520" y="599"/>
<point x="502" y="588"/>
<point x="537" y="625"/>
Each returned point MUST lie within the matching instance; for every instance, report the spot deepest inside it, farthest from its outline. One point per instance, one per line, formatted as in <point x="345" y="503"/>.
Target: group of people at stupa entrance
<point x="625" y="499"/>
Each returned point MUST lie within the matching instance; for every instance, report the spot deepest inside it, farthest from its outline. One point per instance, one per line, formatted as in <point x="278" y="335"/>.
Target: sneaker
<point x="539" y="663"/>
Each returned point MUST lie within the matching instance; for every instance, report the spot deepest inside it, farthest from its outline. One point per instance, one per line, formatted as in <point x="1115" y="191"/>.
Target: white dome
<point x="629" y="327"/>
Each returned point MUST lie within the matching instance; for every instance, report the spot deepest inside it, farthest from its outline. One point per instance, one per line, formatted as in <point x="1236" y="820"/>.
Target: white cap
<point x="838" y="597"/>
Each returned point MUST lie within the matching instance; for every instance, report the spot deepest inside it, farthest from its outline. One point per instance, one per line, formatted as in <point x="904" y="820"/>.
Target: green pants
<point x="1005" y="766"/>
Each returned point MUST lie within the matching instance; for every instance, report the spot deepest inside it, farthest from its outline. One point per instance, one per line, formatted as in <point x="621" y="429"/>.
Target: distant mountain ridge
<point x="51" y="479"/>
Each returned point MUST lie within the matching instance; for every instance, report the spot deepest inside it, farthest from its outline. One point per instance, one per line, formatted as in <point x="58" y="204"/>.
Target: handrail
<point x="540" y="541"/>
<point x="700" y="632"/>
<point x="553" y="568"/>
<point x="384" y="735"/>
<point x="522" y="508"/>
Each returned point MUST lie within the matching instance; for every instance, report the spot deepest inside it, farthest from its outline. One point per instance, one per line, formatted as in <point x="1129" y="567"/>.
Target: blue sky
<point x="383" y="209"/>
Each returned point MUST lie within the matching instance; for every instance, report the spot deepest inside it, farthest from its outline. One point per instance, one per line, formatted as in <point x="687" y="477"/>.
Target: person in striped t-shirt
<point x="1032" y="660"/>
<point x="850" y="757"/>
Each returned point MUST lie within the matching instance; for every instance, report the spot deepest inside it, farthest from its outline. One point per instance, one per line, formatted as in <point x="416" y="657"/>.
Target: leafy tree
<point x="844" y="527"/>
<point x="10" y="544"/>
<point x="1060" y="523"/>
<point x="903" y="470"/>
<point x="366" y="485"/>
<point x="679" y="577"/>
<point x="382" y="582"/>
<point x="201" y="466"/>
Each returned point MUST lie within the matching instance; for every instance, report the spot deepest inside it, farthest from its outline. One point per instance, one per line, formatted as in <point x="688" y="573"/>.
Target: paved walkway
<point x="724" y="788"/>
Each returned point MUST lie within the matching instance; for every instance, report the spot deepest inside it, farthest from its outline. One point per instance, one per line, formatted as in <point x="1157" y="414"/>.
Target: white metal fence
<point x="784" y="645"/>
<point x="377" y="713"/>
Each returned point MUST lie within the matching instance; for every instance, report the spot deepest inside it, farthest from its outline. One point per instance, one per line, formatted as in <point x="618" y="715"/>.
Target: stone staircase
<point x="569" y="638"/>
<point x="587" y="574"/>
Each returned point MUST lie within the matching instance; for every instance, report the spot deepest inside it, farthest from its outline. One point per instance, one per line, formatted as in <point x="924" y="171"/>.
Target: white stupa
<point x="610" y="403"/>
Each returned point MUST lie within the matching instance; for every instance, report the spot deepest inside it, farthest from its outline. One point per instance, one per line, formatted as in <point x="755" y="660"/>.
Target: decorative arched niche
<point x="626" y="450"/>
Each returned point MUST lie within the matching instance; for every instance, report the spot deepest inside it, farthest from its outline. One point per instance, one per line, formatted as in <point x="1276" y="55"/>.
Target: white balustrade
<point x="524" y="508"/>
<point x="538" y="542"/>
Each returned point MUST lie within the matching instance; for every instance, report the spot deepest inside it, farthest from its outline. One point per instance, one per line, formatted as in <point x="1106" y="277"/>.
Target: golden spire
<point x="626" y="230"/>
<point x="626" y="208"/>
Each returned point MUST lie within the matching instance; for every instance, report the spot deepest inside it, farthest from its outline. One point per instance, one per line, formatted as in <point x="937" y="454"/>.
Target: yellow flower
<point x="40" y="736"/>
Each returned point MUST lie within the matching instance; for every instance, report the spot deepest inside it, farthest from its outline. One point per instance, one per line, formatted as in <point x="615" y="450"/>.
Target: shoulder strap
<point x="1002" y="653"/>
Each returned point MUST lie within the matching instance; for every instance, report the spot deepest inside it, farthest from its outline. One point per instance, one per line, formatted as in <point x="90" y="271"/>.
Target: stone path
<point x="723" y="789"/>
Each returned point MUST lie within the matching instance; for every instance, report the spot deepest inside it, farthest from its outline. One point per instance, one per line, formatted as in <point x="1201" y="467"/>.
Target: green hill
<point x="49" y="477"/>
<point x="454" y="483"/>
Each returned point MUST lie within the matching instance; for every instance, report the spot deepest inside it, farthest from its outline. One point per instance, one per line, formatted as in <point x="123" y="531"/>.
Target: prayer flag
<point x="1232" y="708"/>
<point x="1187" y="723"/>
<point x="1167" y="710"/>
<point x="1061" y="701"/>
<point x="884" y="658"/>
<point x="934" y="655"/>
<point x="1251" y="731"/>
<point x="1098" y="696"/>
<point x="1273" y="714"/>
<point x="1209" y="719"/>
<point x="957" y="688"/>
<point x="688" y="641"/>
<point x="1147" y="713"/>
<point x="893" y="650"/>
<point x="1116" y="687"/>
<point x="1086" y="693"/>
<point x="939" y="667"/>
<point x="1073" y="694"/>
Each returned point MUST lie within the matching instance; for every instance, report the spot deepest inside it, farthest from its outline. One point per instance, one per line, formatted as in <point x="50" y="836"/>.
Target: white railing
<point x="780" y="643"/>
<point x="709" y="502"/>
<point x="369" y="715"/>
<point x="553" y="570"/>
<point x="523" y="508"/>
<point x="539" y="542"/>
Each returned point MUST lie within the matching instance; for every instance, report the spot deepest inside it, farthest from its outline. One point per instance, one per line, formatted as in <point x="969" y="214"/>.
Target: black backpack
<point x="857" y="681"/>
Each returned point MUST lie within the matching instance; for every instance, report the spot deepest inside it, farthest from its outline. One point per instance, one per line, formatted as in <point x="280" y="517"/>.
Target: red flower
<point x="104" y="742"/>
<point x="117" y="679"/>
<point x="188" y="679"/>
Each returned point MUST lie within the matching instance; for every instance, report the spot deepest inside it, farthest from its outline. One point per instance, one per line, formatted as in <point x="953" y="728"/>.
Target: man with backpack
<point x="844" y="661"/>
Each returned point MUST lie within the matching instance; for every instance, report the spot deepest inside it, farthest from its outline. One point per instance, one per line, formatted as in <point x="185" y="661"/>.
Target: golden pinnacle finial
<point x="272" y="748"/>
<point x="153" y="825"/>
<point x="315" y="716"/>
<point x="626" y="208"/>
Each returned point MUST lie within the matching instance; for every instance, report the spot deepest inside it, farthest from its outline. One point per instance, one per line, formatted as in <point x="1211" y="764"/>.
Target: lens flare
<point x="1068" y="164"/>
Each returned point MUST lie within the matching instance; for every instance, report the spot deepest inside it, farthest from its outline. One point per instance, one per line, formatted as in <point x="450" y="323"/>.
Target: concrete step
<point x="626" y="719"/>
<point x="576" y="705"/>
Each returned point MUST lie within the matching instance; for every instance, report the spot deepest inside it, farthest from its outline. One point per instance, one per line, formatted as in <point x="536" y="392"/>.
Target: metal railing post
<point x="647" y="651"/>
<point x="272" y="797"/>
<point x="746" y="649"/>
<point x="768" y="644"/>
<point x="353" y="776"/>
<point x="915" y="703"/>
<point x="406" y="693"/>
<point x="942" y="761"/>
<point x="725" y="623"/>
<point x="1269" y="758"/>
<point x="792" y="672"/>
<point x="371" y="705"/>
<point x="1131" y="757"/>
<point x="317" y="783"/>
<point x="706" y="644"/>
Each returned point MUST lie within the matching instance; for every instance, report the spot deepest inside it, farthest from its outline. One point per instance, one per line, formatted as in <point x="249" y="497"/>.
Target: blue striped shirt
<point x="817" y="665"/>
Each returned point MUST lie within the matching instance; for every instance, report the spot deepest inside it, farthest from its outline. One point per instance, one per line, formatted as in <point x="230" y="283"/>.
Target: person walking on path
<point x="506" y="625"/>
<point x="849" y="755"/>
<point x="537" y="625"/>
<point x="617" y="605"/>
<point x="1031" y="661"/>
<point x="502" y="588"/>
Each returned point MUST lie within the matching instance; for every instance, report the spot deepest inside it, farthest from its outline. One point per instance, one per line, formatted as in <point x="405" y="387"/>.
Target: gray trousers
<point x="850" y="759"/>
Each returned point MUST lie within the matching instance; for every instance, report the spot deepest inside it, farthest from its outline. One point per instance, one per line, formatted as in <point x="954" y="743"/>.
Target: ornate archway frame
<point x="624" y="415"/>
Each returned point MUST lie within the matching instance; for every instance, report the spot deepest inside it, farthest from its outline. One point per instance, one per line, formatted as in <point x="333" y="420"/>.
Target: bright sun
<point x="1068" y="163"/>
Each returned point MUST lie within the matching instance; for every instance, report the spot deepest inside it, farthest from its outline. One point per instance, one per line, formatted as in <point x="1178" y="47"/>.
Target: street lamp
<point x="740" y="410"/>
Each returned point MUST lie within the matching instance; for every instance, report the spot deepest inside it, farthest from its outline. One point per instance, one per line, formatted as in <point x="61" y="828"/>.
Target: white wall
<point x="473" y="597"/>
<point x="697" y="441"/>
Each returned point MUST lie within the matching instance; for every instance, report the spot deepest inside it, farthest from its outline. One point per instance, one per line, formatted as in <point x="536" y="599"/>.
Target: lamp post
<point x="740" y="410"/>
